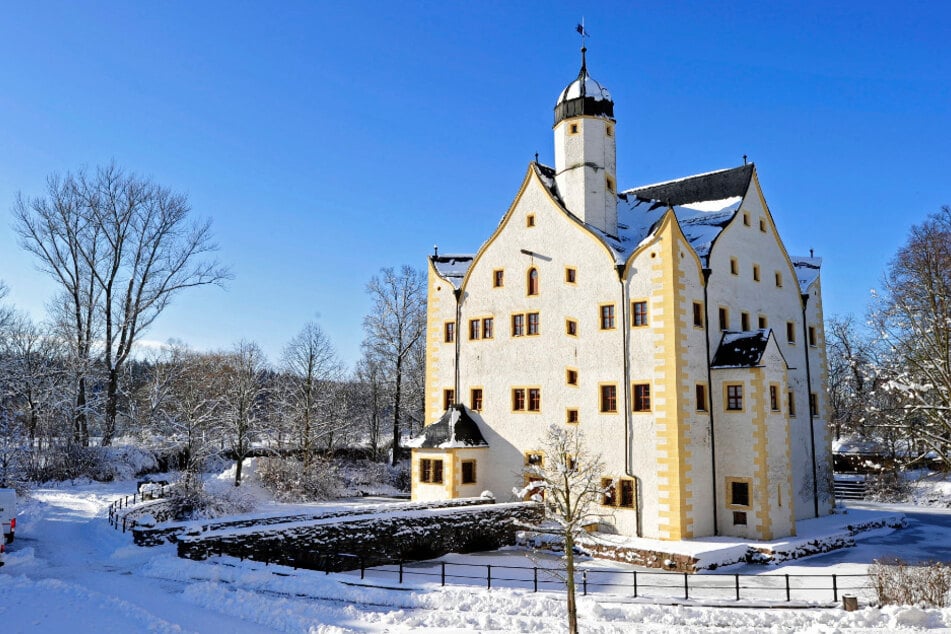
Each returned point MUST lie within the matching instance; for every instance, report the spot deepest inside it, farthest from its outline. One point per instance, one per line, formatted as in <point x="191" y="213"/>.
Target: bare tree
<point x="314" y="369"/>
<point x="121" y="247"/>
<point x="373" y="385"/>
<point x="567" y="482"/>
<point x="244" y="391"/>
<point x="394" y="327"/>
<point x="913" y="318"/>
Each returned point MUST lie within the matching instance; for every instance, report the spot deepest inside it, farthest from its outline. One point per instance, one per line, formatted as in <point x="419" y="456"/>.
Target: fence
<point x="630" y="583"/>
<point x="129" y="500"/>
<point x="816" y="588"/>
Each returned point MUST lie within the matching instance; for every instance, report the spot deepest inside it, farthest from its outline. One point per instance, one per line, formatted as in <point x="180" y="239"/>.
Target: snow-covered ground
<point x="68" y="571"/>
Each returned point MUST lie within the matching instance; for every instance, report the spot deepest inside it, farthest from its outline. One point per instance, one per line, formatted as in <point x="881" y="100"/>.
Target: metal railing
<point x="117" y="519"/>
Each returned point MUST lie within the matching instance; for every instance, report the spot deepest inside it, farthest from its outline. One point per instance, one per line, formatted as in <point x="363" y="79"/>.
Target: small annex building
<point x="667" y="322"/>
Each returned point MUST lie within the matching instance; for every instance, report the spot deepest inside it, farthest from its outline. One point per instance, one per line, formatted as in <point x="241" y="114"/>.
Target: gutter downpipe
<point x="457" y="292"/>
<point x="812" y="431"/>
<point x="707" y="272"/>
<point x="628" y="428"/>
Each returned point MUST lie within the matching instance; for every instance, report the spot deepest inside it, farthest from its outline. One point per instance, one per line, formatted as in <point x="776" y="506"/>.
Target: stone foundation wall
<point x="343" y="543"/>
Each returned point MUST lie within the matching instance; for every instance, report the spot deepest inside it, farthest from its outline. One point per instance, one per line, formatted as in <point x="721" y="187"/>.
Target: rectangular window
<point x="609" y="398"/>
<point x="724" y="315"/>
<point x="734" y="397"/>
<point x="642" y="397"/>
<point x="430" y="471"/>
<point x="701" y="397"/>
<point x="533" y="323"/>
<point x="744" y="321"/>
<point x="609" y="492"/>
<point x="762" y="322"/>
<point x="762" y="225"/>
<point x="534" y="399"/>
<point x="468" y="471"/>
<point x="571" y="328"/>
<point x="607" y="317"/>
<point x="739" y="493"/>
<point x="790" y="332"/>
<point x="474" y="328"/>
<point x="570" y="275"/>
<point x="530" y="220"/>
<point x="450" y="332"/>
<point x="571" y="376"/>
<point x="518" y="399"/>
<point x="734" y="266"/>
<point x="746" y="219"/>
<point x="779" y="279"/>
<point x="475" y="399"/>
<point x="814" y="404"/>
<point x="698" y="314"/>
<point x="497" y="278"/>
<point x="639" y="313"/>
<point x="627" y="498"/>
<point x="774" y="398"/>
<point x="792" y="403"/>
<point x="571" y="416"/>
<point x="812" y="336"/>
<point x="518" y="325"/>
<point x="448" y="398"/>
<point x="756" y="272"/>
<point x="618" y="492"/>
<point x="739" y="518"/>
<point x="534" y="459"/>
<point x="488" y="325"/>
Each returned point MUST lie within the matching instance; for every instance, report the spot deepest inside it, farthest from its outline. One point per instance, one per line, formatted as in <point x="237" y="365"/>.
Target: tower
<point x="585" y="151"/>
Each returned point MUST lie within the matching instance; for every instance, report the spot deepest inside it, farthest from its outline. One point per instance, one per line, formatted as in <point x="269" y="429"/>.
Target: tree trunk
<point x="570" y="583"/>
<point x="80" y="424"/>
<point x="112" y="408"/>
<point x="396" y="411"/>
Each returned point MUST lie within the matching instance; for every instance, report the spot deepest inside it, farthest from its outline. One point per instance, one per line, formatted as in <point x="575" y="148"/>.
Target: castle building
<point x="667" y="322"/>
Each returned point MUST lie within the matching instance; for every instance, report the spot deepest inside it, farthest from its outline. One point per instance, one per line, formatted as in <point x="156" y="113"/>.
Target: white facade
<point x="663" y="260"/>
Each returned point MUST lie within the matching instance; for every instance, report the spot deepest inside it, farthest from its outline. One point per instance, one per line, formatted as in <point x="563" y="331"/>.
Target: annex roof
<point x="453" y="430"/>
<point x="741" y="349"/>
<point x="807" y="270"/>
<point x="452" y="267"/>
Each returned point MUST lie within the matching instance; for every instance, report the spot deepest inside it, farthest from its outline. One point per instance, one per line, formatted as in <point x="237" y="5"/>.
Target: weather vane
<point x="582" y="32"/>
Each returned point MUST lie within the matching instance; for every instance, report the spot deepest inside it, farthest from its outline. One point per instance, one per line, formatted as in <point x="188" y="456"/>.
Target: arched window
<point x="533" y="281"/>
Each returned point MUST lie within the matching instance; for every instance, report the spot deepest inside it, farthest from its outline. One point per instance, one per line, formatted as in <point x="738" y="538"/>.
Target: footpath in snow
<point x="68" y="571"/>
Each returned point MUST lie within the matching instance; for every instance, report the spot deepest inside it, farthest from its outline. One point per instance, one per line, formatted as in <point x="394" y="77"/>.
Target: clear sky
<point x="328" y="140"/>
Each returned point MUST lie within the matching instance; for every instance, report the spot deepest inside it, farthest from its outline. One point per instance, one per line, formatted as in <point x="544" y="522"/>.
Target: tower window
<point x="530" y="220"/>
<point x="497" y="276"/>
<point x="701" y="397"/>
<point x="792" y="403"/>
<point x="450" y="332"/>
<point x="734" y="266"/>
<point x="746" y="219"/>
<point x="756" y="272"/>
<point x="739" y="493"/>
<point x="774" y="398"/>
<point x="571" y="376"/>
<point x="812" y="336"/>
<point x="573" y="128"/>
<point x="762" y="225"/>
<point x="790" y="332"/>
<point x="571" y="275"/>
<point x="779" y="279"/>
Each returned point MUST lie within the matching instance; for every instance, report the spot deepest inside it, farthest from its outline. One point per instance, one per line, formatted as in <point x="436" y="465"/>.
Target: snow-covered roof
<point x="455" y="429"/>
<point x="584" y="86"/>
<point x="452" y="267"/>
<point x="703" y="204"/>
<point x="807" y="270"/>
<point x="741" y="349"/>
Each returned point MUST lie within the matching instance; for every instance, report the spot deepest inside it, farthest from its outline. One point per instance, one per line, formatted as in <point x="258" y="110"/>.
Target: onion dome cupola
<point x="585" y="151"/>
<point x="584" y="96"/>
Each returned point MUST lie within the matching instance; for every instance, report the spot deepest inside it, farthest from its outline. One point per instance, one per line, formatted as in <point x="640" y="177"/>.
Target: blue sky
<point x="328" y="140"/>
